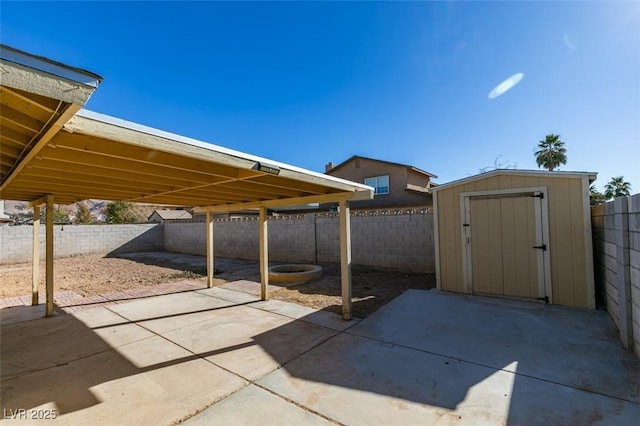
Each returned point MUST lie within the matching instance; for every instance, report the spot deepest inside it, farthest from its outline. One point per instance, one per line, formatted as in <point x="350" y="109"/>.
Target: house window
<point x="380" y="183"/>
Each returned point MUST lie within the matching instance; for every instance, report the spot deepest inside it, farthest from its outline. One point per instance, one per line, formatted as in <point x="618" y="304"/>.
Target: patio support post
<point x="35" y="256"/>
<point x="210" y="261"/>
<point x="49" y="255"/>
<point x="264" y="254"/>
<point x="345" y="258"/>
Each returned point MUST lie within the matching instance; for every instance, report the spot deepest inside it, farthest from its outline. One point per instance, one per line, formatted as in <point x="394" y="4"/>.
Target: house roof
<point x="166" y="214"/>
<point x="354" y="157"/>
<point x="50" y="146"/>
<point x="511" y="172"/>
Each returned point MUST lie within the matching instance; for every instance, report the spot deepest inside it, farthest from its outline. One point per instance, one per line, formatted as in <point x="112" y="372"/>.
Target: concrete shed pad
<point x="255" y="406"/>
<point x="360" y="381"/>
<point x="572" y="347"/>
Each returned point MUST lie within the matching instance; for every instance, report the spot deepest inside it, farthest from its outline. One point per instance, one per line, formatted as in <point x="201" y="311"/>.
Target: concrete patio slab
<point x="168" y="305"/>
<point x="224" y="357"/>
<point x="304" y="313"/>
<point x="246" y="286"/>
<point x="16" y="314"/>
<point x="230" y="295"/>
<point x="147" y="382"/>
<point x="62" y="339"/>
<point x="244" y="340"/>
<point x="101" y="317"/>
<point x="573" y="347"/>
<point x="255" y="406"/>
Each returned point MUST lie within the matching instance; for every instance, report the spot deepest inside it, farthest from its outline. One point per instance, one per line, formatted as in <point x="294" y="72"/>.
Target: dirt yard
<point x="95" y="274"/>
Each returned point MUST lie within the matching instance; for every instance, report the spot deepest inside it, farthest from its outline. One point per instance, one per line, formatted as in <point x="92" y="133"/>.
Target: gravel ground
<point x="94" y="274"/>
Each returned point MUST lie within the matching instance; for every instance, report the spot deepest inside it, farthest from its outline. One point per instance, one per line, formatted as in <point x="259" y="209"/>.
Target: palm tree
<point x="551" y="152"/>
<point x="617" y="187"/>
<point x="595" y="196"/>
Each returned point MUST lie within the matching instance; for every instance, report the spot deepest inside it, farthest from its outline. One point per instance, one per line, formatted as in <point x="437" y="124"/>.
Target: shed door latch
<point x="542" y="247"/>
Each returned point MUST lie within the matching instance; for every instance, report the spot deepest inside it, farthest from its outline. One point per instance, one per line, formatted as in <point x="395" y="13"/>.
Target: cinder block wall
<point x="71" y="240"/>
<point x="604" y="253"/>
<point x="634" y="266"/>
<point x="231" y="238"/>
<point x="616" y="238"/>
<point x="398" y="240"/>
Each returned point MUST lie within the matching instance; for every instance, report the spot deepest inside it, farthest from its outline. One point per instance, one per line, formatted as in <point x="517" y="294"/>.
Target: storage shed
<point x="516" y="233"/>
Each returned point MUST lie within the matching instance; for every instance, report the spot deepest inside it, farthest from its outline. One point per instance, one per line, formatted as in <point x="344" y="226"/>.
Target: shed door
<point x="505" y="245"/>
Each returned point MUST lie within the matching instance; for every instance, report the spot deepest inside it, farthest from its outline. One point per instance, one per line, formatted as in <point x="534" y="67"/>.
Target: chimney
<point x="328" y="167"/>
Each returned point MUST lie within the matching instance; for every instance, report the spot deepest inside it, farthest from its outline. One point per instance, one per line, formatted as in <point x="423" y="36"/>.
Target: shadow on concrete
<point x="31" y="377"/>
<point x="398" y="353"/>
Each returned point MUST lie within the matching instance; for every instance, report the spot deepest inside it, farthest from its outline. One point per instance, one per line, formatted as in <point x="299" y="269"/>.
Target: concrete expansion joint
<point x="305" y="408"/>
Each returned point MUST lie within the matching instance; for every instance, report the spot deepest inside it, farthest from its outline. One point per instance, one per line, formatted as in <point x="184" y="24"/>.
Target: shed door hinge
<point x="540" y="195"/>
<point x="544" y="299"/>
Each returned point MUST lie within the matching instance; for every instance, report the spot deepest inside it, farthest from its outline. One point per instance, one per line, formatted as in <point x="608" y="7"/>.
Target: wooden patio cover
<point x="53" y="151"/>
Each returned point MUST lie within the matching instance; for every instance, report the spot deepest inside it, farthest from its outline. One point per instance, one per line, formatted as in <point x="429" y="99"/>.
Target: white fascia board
<point x="217" y="148"/>
<point x="48" y="66"/>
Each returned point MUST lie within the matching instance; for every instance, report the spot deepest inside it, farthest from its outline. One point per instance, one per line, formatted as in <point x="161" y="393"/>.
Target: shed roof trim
<point x="503" y="172"/>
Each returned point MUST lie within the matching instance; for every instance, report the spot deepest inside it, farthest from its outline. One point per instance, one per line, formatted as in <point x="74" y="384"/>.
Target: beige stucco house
<point x="396" y="185"/>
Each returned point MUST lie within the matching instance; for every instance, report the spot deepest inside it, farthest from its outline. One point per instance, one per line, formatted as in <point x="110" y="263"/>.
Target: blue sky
<point x="309" y="83"/>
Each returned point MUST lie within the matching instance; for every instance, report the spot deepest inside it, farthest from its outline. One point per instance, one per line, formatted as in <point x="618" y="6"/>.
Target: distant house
<point x="98" y="217"/>
<point x="396" y="185"/>
<point x="159" y="216"/>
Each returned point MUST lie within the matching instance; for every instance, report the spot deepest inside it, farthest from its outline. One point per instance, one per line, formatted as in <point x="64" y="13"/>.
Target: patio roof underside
<point x="94" y="157"/>
<point x="49" y="146"/>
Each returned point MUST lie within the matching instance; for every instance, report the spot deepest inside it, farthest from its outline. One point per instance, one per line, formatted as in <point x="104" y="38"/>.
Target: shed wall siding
<point x="568" y="229"/>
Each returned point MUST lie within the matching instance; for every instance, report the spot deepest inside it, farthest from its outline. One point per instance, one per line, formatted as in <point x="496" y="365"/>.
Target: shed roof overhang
<point x="97" y="156"/>
<point x="511" y="172"/>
